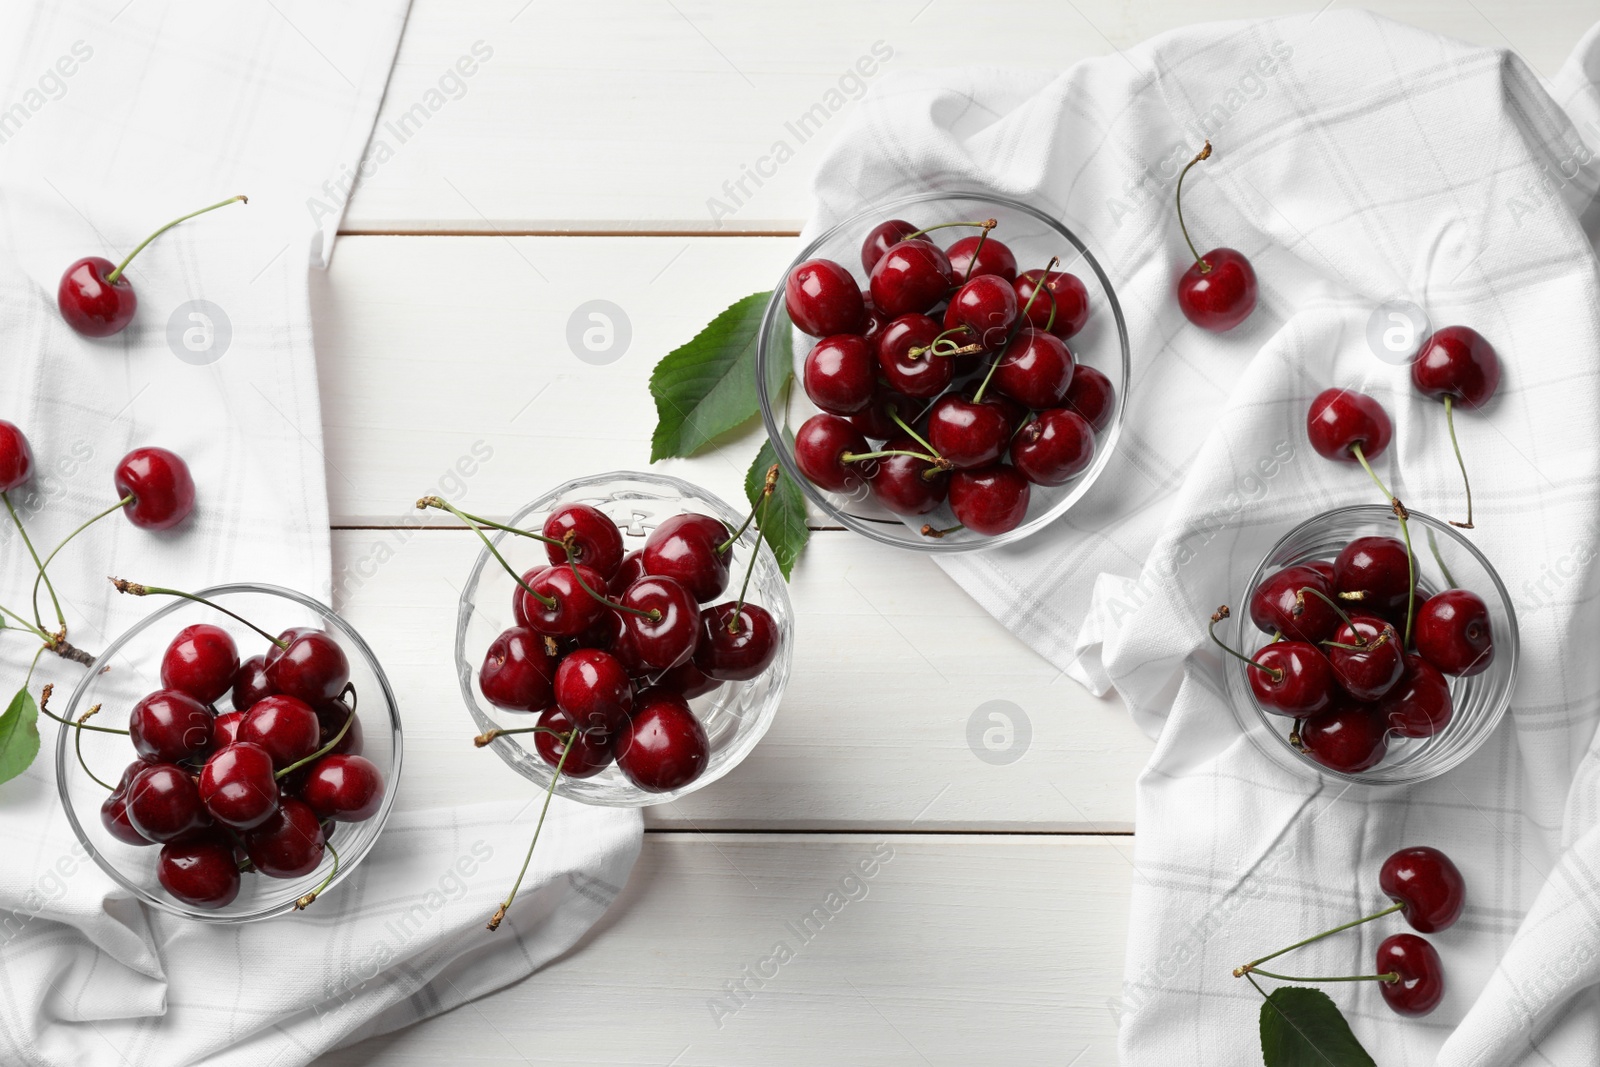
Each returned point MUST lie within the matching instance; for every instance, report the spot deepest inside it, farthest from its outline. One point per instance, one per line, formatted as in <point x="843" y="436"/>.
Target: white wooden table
<point x="576" y="164"/>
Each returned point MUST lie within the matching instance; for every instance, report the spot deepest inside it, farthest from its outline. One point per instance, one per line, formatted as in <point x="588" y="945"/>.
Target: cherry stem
<point x="333" y="743"/>
<point x="976" y="252"/>
<point x="306" y="901"/>
<point x="135" y="589"/>
<point x="488" y="736"/>
<point x="771" y="480"/>
<point x="30" y="627"/>
<point x="77" y="745"/>
<point x="1326" y="599"/>
<point x="80" y="725"/>
<point x="438" y="502"/>
<point x="856" y="457"/>
<point x="111" y="279"/>
<point x="17" y="519"/>
<point x="1205" y="153"/>
<point x="1016" y="328"/>
<point x="1390" y="977"/>
<point x="1433" y="546"/>
<point x="124" y="502"/>
<point x="571" y="735"/>
<point x="1247" y="968"/>
<point x="933" y="348"/>
<point x="929" y="530"/>
<point x="654" y="614"/>
<point x="766" y="494"/>
<point x="914" y="435"/>
<point x="1450" y="421"/>
<point x="1402" y="514"/>
<point x="986" y="224"/>
<point x="1275" y="673"/>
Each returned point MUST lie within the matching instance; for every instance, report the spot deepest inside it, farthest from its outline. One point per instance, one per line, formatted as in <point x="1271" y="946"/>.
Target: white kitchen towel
<point x="114" y="118"/>
<point x="1356" y="160"/>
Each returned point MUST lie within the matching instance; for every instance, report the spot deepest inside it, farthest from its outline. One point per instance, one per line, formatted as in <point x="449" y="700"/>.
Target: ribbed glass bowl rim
<point x="1106" y="445"/>
<point x="348" y="862"/>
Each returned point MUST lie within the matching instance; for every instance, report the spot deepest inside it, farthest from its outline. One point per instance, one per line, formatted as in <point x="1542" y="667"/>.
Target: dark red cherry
<point x="664" y="642"/>
<point x="823" y="299"/>
<point x="665" y="747"/>
<point x="331" y="716"/>
<point x="987" y="306"/>
<point x="1063" y="294"/>
<point x="1452" y="633"/>
<point x="250" y="684"/>
<point x="1219" y="291"/>
<point x="1373" y="574"/>
<point x="630" y="571"/>
<point x="963" y="336"/>
<point x="344" y="788"/>
<point x="974" y="257"/>
<point x="881" y="238"/>
<point x="1054" y="448"/>
<point x="1420" y="705"/>
<point x="910" y="278"/>
<point x="170" y="726"/>
<point x="283" y="725"/>
<point x="1035" y="370"/>
<point x="840" y="374"/>
<point x="163" y="803"/>
<point x="114" y="810"/>
<point x="1303" y="684"/>
<point x="1091" y="396"/>
<point x="159" y="482"/>
<point x="312" y="667"/>
<point x="594" y="689"/>
<point x="91" y="305"/>
<point x="819" y="447"/>
<point x="1427" y="885"/>
<point x="1421" y="984"/>
<point x="603" y="634"/>
<point x="968" y="434"/>
<point x="990" y="501"/>
<point x="592" y="750"/>
<point x="520" y="599"/>
<point x="736" y="643"/>
<point x="1349" y="737"/>
<point x="225" y="729"/>
<point x="1015" y="414"/>
<point x="1373" y="669"/>
<point x="289" y="844"/>
<point x="921" y="375"/>
<point x="1457" y="362"/>
<point x="201" y="661"/>
<point x="237" y="786"/>
<point x="1278" y="606"/>
<point x="16" y="457"/>
<point x="907" y="484"/>
<point x="569" y="607"/>
<point x="202" y="873"/>
<point x="1340" y="420"/>
<point x="688" y="548"/>
<point x="876" y="320"/>
<point x="875" y="420"/>
<point x="596" y="541"/>
<point x="517" y="671"/>
<point x="688" y="680"/>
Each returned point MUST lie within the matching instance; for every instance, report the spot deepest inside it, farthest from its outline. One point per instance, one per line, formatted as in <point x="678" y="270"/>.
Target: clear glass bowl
<point x="1034" y="237"/>
<point x="1480" y="701"/>
<point x="735" y="714"/>
<point x="131" y="668"/>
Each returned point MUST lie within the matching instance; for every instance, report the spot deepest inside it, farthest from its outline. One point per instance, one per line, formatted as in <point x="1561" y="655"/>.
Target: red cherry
<point x="571" y="608"/>
<point x="114" y="810"/>
<point x="201" y="661"/>
<point x="921" y="375"/>
<point x="237" y="786"/>
<point x="664" y="747"/>
<point x="1035" y="370"/>
<point x="906" y="485"/>
<point x="159" y="482"/>
<point x="1278" y="605"/>
<point x="1374" y="574"/>
<point x="201" y="873"/>
<point x="663" y="642"/>
<point x="592" y="750"/>
<point x="16" y="457"/>
<point x="517" y="671"/>
<point x="283" y="725"/>
<point x="968" y="434"/>
<point x="875" y="421"/>
<point x="344" y="788"/>
<point x="251" y="683"/>
<point x="1349" y="737"/>
<point x="1340" y="421"/>
<point x="688" y="680"/>
<point x="974" y="257"/>
<point x="1427" y="885"/>
<point x="819" y="446"/>
<point x="289" y="844"/>
<point x="910" y="278"/>
<point x="170" y="726"/>
<point x="331" y="716"/>
<point x="881" y="238"/>
<point x="990" y="501"/>
<point x="630" y="571"/>
<point x="1420" y="705"/>
<point x="163" y="804"/>
<point x="593" y="687"/>
<point x="1452" y="633"/>
<point x="1054" y="448"/>
<point x="736" y="643"/>
<point x="225" y="729"/>
<point x="840" y="374"/>
<point x="1218" y="291"/>
<point x="1421" y="984"/>
<point x="596" y="541"/>
<point x="987" y="305"/>
<point x="312" y="667"/>
<point x="1063" y="293"/>
<point x="1091" y="396"/>
<point x="1304" y="684"/>
<point x="1459" y="363"/>
<point x="823" y="299"/>
<point x="520" y="599"/>
<point x="1372" y="670"/>
<point x="91" y="305"/>
<point x="688" y="549"/>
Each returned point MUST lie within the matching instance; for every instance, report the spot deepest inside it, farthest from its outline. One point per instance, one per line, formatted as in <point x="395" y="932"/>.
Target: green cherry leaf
<point x="785" y="525"/>
<point x="1302" y="1027"/>
<point x="19" y="735"/>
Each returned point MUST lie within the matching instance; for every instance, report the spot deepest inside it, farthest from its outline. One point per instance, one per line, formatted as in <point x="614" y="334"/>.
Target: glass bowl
<point x="131" y="668"/>
<point x="735" y="714"/>
<point x="1479" y="701"/>
<point x="1034" y="237"/>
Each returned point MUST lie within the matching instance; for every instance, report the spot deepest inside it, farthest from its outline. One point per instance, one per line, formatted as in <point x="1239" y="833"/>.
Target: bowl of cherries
<point x="957" y="390"/>
<point x="627" y="629"/>
<point x="232" y="756"/>
<point x="1365" y="661"/>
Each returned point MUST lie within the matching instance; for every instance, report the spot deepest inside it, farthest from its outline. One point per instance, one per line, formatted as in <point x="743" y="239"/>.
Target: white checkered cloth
<point x="115" y="117"/>
<point x="1357" y="159"/>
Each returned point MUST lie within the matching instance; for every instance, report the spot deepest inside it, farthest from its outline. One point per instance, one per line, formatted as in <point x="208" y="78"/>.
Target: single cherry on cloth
<point x="840" y="373"/>
<point x="967" y="433"/>
<point x="974" y="257"/>
<point x="987" y="305"/>
<point x="906" y="483"/>
<point x="664" y="747"/>
<point x="312" y="667"/>
<point x="881" y="238"/>
<point x="820" y="446"/>
<point x="1420" y="705"/>
<point x="202" y="661"/>
<point x="1091" y="395"/>
<point x="517" y="671"/>
<point x="1341" y="422"/>
<point x="114" y="809"/>
<point x="1281" y="605"/>
<point x="906" y="362"/>
<point x="1420" y="986"/>
<point x="1035" y="370"/>
<point x="1373" y="574"/>
<point x="1453" y="633"/>
<point x="590" y="753"/>
<point x="1054" y="448"/>
<point x="343" y="788"/>
<point x="283" y="725"/>
<point x="669" y="637"/>
<point x="568" y="607"/>
<point x="163" y="803"/>
<point x="251" y="684"/>
<point x="201" y="873"/>
<point x="990" y="501"/>
<point x="1457" y="363"/>
<point x="737" y="641"/>
<point x="1063" y="306"/>
<point x="238" y="787"/>
<point x="1219" y="291"/>
<point x="1349" y="737"/>
<point x="160" y="485"/>
<point x="595" y="540"/>
<point x="593" y="688"/>
<point x="289" y="844"/>
<point x="688" y="548"/>
<point x="170" y="726"/>
<point x="16" y="457"/>
<point x="823" y="299"/>
<point x="910" y="278"/>
<point x="1427" y="886"/>
<point x="1367" y="657"/>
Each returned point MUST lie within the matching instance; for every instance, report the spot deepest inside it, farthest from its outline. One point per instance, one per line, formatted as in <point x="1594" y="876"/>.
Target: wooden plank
<point x="634" y="115"/>
<point x="989" y="950"/>
<point x="893" y="664"/>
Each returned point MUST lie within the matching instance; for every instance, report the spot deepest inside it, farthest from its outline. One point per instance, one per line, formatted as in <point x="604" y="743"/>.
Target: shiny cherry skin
<point x="16" y="457"/>
<point x="170" y="726"/>
<point x="1427" y="885"/>
<point x="1457" y="362"/>
<point x="225" y="729"/>
<point x="987" y="306"/>
<point x="596" y="541"/>
<point x="823" y="299"/>
<point x="1305" y="685"/>
<point x="1063" y="294"/>
<point x="163" y="803"/>
<point x="664" y="747"/>
<point x="1340" y="420"/>
<point x="688" y="549"/>
<point x="289" y="844"/>
<point x="237" y="786"/>
<point x="736" y="643"/>
<point x="1371" y="671"/>
<point x="1221" y="297"/>
<point x="875" y="421"/>
<point x="201" y="873"/>
<point x="1421" y="984"/>
<point x="1035" y="370"/>
<point x="91" y="305"/>
<point x="1090" y="394"/>
<point x="968" y="434"/>
<point x="520" y="600"/>
<point x="331" y="716"/>
<point x="907" y="485"/>
<point x="1452" y="633"/>
<point x="909" y="279"/>
<point x="569" y="608"/>
<point x="1014" y="413"/>
<point x="974" y="257"/>
<point x="1279" y="605"/>
<point x="1420" y="705"/>
<point x="161" y="487"/>
<point x="881" y="238"/>
<point x="664" y="642"/>
<point x="283" y="725"/>
<point x="343" y="788"/>
<point x="250" y="684"/>
<point x="1373" y="574"/>
<point x="688" y="680"/>
<point x="518" y="671"/>
<point x="840" y="373"/>
<point x="629" y="571"/>
<point x="313" y="667"/>
<point x="1054" y="448"/>
<point x="202" y="661"/>
<point x="114" y="810"/>
<point x="819" y="447"/>
<point x="990" y="501"/>
<point x="592" y="750"/>
<point x="876" y="320"/>
<point x="922" y="375"/>
<point x="1349" y="737"/>
<point x="594" y="689"/>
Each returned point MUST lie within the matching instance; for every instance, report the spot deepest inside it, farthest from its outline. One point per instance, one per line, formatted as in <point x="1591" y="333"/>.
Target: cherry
<point x="819" y="447"/>
<point x="840" y="373"/>
<point x="689" y="680"/>
<point x="283" y="725"/>
<point x="881" y="238"/>
<point x="163" y="804"/>
<point x="1349" y="738"/>
<point x="1374" y="574"/>
<point x="1091" y="396"/>
<point x="1015" y="414"/>
<point x="1341" y="422"/>
<point x="201" y="661"/>
<point x="289" y="844"/>
<point x="603" y="634"/>
<point x="159" y="482"/>
<point x="1374" y="668"/>
<point x="987" y="305"/>
<point x="170" y="726"/>
<point x="1304" y="684"/>
<point x="344" y="788"/>
<point x="922" y="375"/>
<point x="822" y="299"/>
<point x="876" y="320"/>
<point x="664" y="747"/>
<point x="16" y="457"/>
<point x="519" y="597"/>
<point x="1219" y="291"/>
<point x="907" y="484"/>
<point x="251" y="684"/>
<point x="910" y="278"/>
<point x="875" y="420"/>
<point x="593" y="687"/>
<point x="1420" y="705"/>
<point x="1035" y="369"/>
<point x="968" y="434"/>
<point x="1278" y="605"/>
<point x="1457" y="363"/>
<point x="331" y="717"/>
<point x="989" y="501"/>
<point x="688" y="549"/>
<point x="1054" y="448"/>
<point x="201" y="873"/>
<point x="596" y="542"/>
<point x="517" y="671"/>
<point x="964" y="337"/>
<point x="591" y="752"/>
<point x="568" y="608"/>
<point x="737" y="642"/>
<point x="237" y="786"/>
<point x="669" y="639"/>
<point x="1064" y="295"/>
<point x="1452" y="633"/>
<point x="630" y="571"/>
<point x="114" y="810"/>
<point x="312" y="667"/>
<point x="1421" y="984"/>
<point x="975" y="257"/>
<point x="1427" y="886"/>
<point x="225" y="729"/>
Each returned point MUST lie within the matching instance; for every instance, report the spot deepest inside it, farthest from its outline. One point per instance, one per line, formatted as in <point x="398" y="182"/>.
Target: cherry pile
<point x="948" y="379"/>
